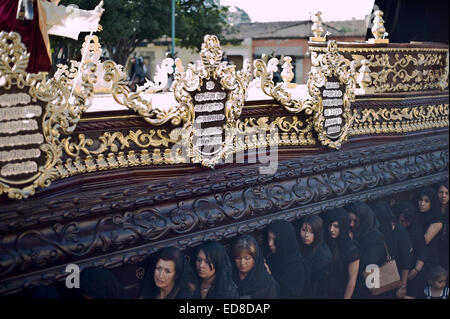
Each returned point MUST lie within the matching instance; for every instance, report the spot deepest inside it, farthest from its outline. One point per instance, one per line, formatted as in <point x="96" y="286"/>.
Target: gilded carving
<point x="399" y="120"/>
<point x="91" y="51"/>
<point x="71" y="155"/>
<point x="401" y="69"/>
<point x="260" y="130"/>
<point x="117" y="140"/>
<point x="445" y="78"/>
<point x="61" y="111"/>
<point x="278" y="92"/>
<point x="154" y="147"/>
<point x="141" y="100"/>
<point x="210" y="75"/>
<point x="326" y="67"/>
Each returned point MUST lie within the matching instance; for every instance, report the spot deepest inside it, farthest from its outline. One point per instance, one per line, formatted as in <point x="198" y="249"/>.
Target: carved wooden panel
<point x="113" y="228"/>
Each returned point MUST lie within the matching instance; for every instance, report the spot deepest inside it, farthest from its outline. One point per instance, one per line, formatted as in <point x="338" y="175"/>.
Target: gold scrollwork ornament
<point x="327" y="65"/>
<point x="141" y="101"/>
<point x="57" y="113"/>
<point x="278" y="92"/>
<point x="234" y="83"/>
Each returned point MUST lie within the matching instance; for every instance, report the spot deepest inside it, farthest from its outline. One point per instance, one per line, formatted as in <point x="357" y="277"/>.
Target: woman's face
<point x="403" y="221"/>
<point x="244" y="262"/>
<point x="424" y="204"/>
<point x="333" y="228"/>
<point x="443" y="195"/>
<point x="306" y="234"/>
<point x="354" y="222"/>
<point x="164" y="273"/>
<point x="204" y="270"/>
<point x="271" y="242"/>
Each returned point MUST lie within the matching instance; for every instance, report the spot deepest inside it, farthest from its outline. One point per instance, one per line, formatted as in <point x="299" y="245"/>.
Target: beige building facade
<point x="275" y="39"/>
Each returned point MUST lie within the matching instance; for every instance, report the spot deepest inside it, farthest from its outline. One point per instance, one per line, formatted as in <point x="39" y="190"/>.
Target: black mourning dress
<point x="258" y="284"/>
<point x="287" y="265"/>
<point x="370" y="242"/>
<point x="344" y="252"/>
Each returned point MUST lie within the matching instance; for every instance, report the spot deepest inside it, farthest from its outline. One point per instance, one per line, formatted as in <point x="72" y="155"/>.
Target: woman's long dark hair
<point x="445" y="184"/>
<point x="182" y="273"/>
<point x="367" y="220"/>
<point x="286" y="242"/>
<point x="316" y="224"/>
<point x="431" y="193"/>
<point x="409" y="211"/>
<point x="287" y="248"/>
<point x="338" y="244"/>
<point x="287" y="265"/>
<point x="342" y="244"/>
<point x="445" y="212"/>
<point x="217" y="258"/>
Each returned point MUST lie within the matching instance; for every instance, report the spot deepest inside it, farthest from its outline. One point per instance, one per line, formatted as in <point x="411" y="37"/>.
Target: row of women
<point x="316" y="258"/>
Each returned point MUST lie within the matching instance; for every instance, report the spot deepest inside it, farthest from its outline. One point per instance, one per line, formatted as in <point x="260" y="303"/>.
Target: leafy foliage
<point x="130" y="23"/>
<point x="237" y="16"/>
<point x="196" y="18"/>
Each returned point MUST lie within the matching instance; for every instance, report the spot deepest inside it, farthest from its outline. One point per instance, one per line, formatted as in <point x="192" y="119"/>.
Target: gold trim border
<point x="369" y="121"/>
<point x="356" y="49"/>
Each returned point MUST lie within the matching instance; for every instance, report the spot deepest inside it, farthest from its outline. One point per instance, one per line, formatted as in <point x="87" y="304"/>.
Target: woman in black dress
<point x="316" y="253"/>
<point x="406" y="214"/>
<point x="370" y="243"/>
<point x="397" y="244"/>
<point x="430" y="220"/>
<point x="168" y="276"/>
<point x="443" y="195"/>
<point x="285" y="261"/>
<point x="213" y="269"/>
<point x="344" y="267"/>
<point x="249" y="272"/>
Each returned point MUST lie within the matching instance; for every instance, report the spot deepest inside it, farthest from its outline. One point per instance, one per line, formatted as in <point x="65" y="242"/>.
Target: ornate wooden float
<point x="95" y="175"/>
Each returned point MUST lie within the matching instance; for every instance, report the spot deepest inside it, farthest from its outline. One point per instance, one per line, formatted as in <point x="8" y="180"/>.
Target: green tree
<point x="130" y="23"/>
<point x="196" y="18"/>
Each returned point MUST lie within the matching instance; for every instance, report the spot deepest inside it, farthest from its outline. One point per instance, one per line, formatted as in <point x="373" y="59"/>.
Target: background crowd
<point x="322" y="257"/>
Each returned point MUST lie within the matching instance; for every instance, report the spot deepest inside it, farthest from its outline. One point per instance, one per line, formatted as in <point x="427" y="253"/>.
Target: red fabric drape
<point x="30" y="33"/>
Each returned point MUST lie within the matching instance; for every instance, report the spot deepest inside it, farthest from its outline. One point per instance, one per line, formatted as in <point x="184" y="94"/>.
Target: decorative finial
<point x="378" y="29"/>
<point x="363" y="79"/>
<point x="317" y="29"/>
<point x="287" y="75"/>
<point x="179" y="68"/>
<point x="272" y="66"/>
